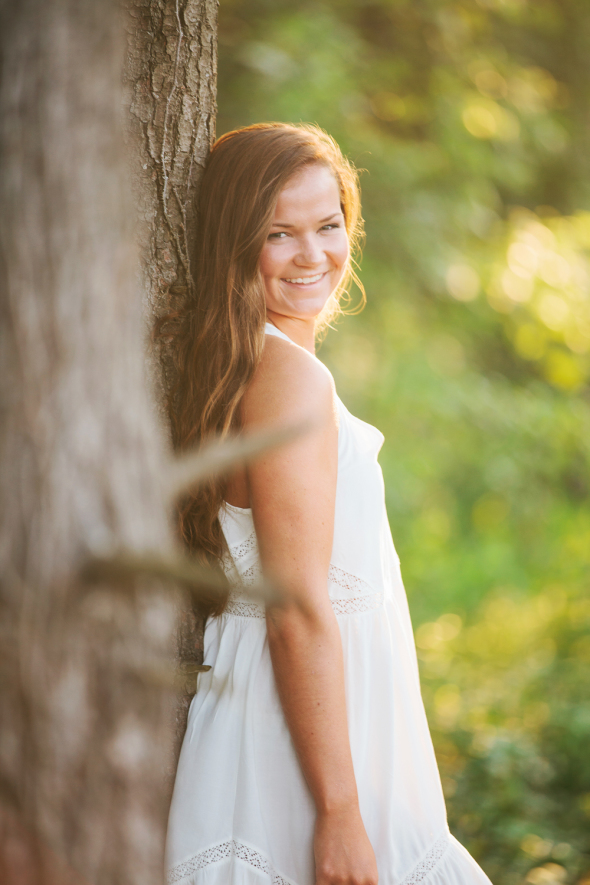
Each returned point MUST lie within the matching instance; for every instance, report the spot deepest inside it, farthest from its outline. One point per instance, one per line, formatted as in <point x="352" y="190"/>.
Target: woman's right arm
<point x="293" y="494"/>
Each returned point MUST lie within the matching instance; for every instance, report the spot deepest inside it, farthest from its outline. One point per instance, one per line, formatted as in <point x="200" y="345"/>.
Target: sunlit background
<point x="472" y="121"/>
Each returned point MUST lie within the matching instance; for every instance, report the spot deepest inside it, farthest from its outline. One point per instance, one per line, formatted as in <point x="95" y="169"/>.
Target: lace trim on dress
<point x="250" y="575"/>
<point x="346" y="581"/>
<point x="362" y="598"/>
<point x="225" y="851"/>
<point x="430" y="860"/>
<point x="241" y="550"/>
<point x="230" y="560"/>
<point x="243" y="608"/>
<point x="358" y="604"/>
<point x="232" y="848"/>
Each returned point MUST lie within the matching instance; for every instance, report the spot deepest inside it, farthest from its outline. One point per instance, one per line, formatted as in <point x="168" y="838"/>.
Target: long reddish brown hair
<point x="219" y="336"/>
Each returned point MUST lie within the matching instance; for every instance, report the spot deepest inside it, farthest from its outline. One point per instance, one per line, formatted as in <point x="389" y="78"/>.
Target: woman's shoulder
<point x="289" y="383"/>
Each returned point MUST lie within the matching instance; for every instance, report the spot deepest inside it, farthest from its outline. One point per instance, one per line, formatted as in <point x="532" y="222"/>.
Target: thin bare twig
<point x="218" y="457"/>
<point x="124" y="567"/>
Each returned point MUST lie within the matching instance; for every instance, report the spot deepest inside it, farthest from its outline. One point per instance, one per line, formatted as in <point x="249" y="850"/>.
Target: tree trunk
<point x="85" y="700"/>
<point x="171" y="76"/>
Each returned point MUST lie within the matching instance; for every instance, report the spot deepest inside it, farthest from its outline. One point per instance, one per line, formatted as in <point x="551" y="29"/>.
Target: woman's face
<point x="306" y="251"/>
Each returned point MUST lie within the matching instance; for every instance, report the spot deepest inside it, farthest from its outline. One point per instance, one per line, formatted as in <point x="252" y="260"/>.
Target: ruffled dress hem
<point x="446" y="862"/>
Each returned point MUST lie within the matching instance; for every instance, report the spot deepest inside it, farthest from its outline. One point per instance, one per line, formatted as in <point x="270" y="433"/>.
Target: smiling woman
<point x="307" y="758"/>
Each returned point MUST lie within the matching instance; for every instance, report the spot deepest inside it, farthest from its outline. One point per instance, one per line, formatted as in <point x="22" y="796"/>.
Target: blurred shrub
<point x="508" y="695"/>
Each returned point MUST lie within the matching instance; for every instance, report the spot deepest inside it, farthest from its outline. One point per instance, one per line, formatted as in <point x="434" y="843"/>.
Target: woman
<point x="307" y="758"/>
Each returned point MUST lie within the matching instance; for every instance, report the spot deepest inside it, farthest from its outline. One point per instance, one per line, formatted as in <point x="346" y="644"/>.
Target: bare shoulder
<point x="290" y="384"/>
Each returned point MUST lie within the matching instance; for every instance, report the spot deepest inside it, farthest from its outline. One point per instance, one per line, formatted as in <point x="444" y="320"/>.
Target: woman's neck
<point x="300" y="331"/>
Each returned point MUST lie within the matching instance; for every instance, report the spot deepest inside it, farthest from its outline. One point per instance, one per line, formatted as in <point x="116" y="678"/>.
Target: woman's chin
<point x="302" y="309"/>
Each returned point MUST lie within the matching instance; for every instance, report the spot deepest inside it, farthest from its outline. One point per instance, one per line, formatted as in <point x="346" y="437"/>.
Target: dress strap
<point x="272" y="330"/>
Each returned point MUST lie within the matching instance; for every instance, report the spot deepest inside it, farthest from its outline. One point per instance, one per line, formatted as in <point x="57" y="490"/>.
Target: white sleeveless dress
<point x="241" y="812"/>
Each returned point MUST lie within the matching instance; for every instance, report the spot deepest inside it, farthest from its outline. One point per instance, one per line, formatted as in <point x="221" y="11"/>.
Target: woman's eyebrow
<point x="322" y="220"/>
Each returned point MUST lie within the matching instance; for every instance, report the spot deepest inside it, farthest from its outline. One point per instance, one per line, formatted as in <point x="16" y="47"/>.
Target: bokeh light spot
<point x="555" y="270"/>
<point x="535" y="846"/>
<point x="562" y="371"/>
<point x="548" y="874"/>
<point x="523" y="260"/>
<point x="462" y="282"/>
<point x="447" y="705"/>
<point x="479" y="121"/>
<point x="515" y="287"/>
<point x="553" y="311"/>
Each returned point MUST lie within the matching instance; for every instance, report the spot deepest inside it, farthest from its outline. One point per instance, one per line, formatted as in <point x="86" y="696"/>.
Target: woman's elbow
<point x="297" y="619"/>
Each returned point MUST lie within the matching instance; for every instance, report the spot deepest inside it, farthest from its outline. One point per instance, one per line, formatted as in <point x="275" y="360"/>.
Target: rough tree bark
<point x="85" y="722"/>
<point x="171" y="76"/>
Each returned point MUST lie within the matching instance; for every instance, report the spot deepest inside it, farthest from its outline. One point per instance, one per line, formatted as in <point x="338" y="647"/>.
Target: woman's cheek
<point x="343" y="251"/>
<point x="265" y="261"/>
<point x="273" y="259"/>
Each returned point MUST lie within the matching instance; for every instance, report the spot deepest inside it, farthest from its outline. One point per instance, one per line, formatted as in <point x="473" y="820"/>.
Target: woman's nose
<point x="310" y="251"/>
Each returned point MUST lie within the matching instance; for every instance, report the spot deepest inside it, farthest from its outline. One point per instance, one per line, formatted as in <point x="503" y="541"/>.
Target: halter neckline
<point x="272" y="330"/>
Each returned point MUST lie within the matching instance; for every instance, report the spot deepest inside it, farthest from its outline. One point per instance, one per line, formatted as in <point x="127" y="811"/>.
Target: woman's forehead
<point x="312" y="191"/>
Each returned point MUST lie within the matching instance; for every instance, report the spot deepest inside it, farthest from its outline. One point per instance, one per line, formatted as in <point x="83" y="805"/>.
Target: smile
<point x="305" y="281"/>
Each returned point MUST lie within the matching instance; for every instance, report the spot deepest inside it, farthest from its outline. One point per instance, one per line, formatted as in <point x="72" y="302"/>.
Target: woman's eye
<point x="277" y="235"/>
<point x="332" y="226"/>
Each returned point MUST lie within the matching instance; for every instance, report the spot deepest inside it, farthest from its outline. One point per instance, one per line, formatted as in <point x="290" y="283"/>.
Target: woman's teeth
<point x="306" y="281"/>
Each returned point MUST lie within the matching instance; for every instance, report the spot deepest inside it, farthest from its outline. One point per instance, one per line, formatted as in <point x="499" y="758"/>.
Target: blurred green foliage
<point x="471" y="119"/>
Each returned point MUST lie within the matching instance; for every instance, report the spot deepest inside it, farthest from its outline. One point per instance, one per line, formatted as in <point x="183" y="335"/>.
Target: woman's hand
<point x="343" y="853"/>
